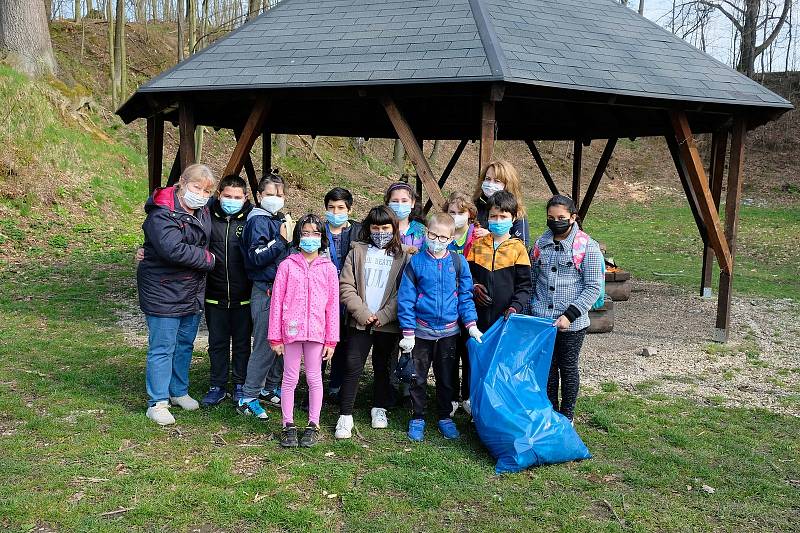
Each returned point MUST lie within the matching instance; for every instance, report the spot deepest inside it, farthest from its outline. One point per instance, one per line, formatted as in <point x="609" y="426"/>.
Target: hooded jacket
<point x="171" y="279"/>
<point x="262" y="245"/>
<point x="305" y="302"/>
<point x="348" y="236"/>
<point x="228" y="285"/>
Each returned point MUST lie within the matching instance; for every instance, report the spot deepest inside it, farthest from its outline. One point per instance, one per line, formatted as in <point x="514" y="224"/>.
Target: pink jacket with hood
<point x="305" y="302"/>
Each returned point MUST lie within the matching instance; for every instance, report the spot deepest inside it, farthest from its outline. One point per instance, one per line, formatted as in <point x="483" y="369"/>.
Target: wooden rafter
<point x="249" y="169"/>
<point x="596" y="177"/>
<point x="699" y="184"/>
<point x="175" y="170"/>
<point x="413" y="149"/>
<point x="155" y="151"/>
<point x="691" y="197"/>
<point x="448" y="169"/>
<point x="719" y="144"/>
<point x="250" y="132"/>
<point x="542" y="167"/>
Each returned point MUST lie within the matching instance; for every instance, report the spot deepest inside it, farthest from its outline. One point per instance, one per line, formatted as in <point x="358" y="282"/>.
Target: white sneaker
<point x="455" y="408"/>
<point x="186" y="402"/>
<point x="467" y="407"/>
<point x="344" y="427"/>
<point x="379" y="420"/>
<point x="159" y="413"/>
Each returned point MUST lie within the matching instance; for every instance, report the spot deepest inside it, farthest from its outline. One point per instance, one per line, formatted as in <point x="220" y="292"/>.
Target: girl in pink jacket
<point x="304" y="323"/>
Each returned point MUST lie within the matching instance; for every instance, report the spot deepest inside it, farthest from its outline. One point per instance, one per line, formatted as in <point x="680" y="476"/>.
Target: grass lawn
<point x="76" y="445"/>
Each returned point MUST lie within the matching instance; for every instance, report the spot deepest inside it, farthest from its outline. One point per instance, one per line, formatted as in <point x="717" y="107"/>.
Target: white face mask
<point x="491" y="187"/>
<point x="460" y="220"/>
<point x="194" y="200"/>
<point x="272" y="204"/>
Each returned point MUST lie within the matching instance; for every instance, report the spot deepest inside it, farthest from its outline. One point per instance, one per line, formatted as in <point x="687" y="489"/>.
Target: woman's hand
<point x="411" y="250"/>
<point x="562" y="323"/>
<point x="327" y="353"/>
<point x="481" y="232"/>
<point x="481" y="295"/>
<point x="139" y="255"/>
<point x="278" y="349"/>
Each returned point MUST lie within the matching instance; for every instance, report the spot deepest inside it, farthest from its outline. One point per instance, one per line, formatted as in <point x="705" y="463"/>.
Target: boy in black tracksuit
<point x="227" y="296"/>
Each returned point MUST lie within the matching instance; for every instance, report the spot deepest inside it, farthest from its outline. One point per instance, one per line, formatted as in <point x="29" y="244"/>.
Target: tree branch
<point x="787" y="4"/>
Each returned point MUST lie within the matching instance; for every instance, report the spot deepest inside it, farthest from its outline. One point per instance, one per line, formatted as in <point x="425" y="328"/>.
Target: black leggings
<point x="462" y="354"/>
<point x="441" y="354"/>
<point x="359" y="343"/>
<point x="565" y="366"/>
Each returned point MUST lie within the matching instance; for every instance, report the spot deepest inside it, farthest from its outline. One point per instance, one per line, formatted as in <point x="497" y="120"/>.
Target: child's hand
<point x="481" y="232"/>
<point x="562" y="323"/>
<point x="475" y="333"/>
<point x="283" y="231"/>
<point x="510" y="311"/>
<point x="373" y="321"/>
<point x="407" y="344"/>
<point x="411" y="250"/>
<point x="327" y="353"/>
<point x="278" y="349"/>
<point x="139" y="255"/>
<point x="481" y="295"/>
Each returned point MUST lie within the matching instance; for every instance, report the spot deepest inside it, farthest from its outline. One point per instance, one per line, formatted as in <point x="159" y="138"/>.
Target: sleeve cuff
<point x="330" y="344"/>
<point x="572" y="313"/>
<point x="408" y="333"/>
<point x="469" y="324"/>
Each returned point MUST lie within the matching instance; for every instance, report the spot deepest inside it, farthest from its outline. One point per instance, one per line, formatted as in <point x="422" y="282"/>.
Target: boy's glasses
<point x="441" y="238"/>
<point x="311" y="234"/>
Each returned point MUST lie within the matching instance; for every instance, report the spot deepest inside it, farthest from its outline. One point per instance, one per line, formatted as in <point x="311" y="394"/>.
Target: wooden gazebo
<point x="524" y="70"/>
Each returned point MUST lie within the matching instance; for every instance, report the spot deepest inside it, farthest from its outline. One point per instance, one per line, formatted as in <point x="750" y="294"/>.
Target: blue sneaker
<point x="448" y="429"/>
<point x="251" y="407"/>
<point x="416" y="429"/>
<point x="238" y="393"/>
<point x="271" y="397"/>
<point x="214" y="396"/>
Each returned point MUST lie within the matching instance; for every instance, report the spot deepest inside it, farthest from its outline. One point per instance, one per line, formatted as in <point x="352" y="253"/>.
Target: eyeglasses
<point x="311" y="234"/>
<point x="441" y="238"/>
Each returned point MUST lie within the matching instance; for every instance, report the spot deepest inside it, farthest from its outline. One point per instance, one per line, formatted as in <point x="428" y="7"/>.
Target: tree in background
<point x="25" y="37"/>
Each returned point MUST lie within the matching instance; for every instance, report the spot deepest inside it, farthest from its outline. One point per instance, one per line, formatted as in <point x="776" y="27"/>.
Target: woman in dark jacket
<point x="171" y="280"/>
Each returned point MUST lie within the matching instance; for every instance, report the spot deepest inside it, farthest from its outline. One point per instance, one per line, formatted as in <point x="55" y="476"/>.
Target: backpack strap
<point x="456" y="260"/>
<point x="579" y="246"/>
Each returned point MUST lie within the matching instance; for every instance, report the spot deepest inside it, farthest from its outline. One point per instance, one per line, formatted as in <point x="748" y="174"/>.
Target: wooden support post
<point x="577" y="159"/>
<point x="175" y="171"/>
<point x="488" y="129"/>
<point x="447" y="170"/>
<point x="186" y="127"/>
<point x="719" y="144"/>
<point x="250" y="132"/>
<point x="598" y="175"/>
<point x="266" y="153"/>
<point x="155" y="151"/>
<point x="691" y="197"/>
<point x="418" y="181"/>
<point x="732" y="201"/>
<point x="542" y="167"/>
<point x="699" y="182"/>
<point x="413" y="149"/>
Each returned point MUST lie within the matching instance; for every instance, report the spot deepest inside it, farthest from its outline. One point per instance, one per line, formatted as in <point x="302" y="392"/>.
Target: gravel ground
<point x="759" y="367"/>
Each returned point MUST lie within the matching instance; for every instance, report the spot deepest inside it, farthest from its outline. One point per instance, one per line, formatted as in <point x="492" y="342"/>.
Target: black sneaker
<point x="310" y="436"/>
<point x="289" y="436"/>
<point x="270" y="397"/>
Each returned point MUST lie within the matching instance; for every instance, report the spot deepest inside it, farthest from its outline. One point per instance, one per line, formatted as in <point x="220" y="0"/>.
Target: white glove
<point x="475" y="333"/>
<point x="407" y="344"/>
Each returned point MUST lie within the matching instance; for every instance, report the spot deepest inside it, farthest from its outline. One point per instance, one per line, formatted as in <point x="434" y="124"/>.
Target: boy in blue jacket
<point x="263" y="245"/>
<point x="435" y="292"/>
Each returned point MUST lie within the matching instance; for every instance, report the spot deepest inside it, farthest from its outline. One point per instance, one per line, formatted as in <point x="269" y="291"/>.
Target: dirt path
<point x="759" y="367"/>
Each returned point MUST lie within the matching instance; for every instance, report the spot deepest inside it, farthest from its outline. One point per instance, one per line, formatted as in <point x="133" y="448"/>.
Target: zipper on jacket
<point x="227" y="275"/>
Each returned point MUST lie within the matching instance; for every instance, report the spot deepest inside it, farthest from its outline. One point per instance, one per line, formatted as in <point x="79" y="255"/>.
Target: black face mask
<point x="559" y="227"/>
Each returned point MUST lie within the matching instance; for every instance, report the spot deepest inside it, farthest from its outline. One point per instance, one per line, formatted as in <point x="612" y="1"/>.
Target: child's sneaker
<point x="289" y="436"/>
<point x="271" y="397"/>
<point x="455" y="408"/>
<point x="344" y="427"/>
<point x="310" y="435"/>
<point x="238" y="393"/>
<point x="466" y="405"/>
<point x="252" y="407"/>
<point x="159" y="413"/>
<point x="448" y="429"/>
<point x="186" y="402"/>
<point x="379" y="419"/>
<point x="214" y="396"/>
<point x="416" y="429"/>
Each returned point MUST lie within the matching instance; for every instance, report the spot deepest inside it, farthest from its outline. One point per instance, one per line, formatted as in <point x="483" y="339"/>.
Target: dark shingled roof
<point x="586" y="45"/>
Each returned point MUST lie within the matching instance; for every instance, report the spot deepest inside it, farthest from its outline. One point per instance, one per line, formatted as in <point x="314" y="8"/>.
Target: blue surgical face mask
<point x="336" y="220"/>
<point x="500" y="228"/>
<point x="310" y="244"/>
<point x="401" y="210"/>
<point x="231" y="206"/>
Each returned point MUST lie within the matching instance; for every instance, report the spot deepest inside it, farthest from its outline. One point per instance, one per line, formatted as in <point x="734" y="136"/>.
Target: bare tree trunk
<point x="280" y="139"/>
<point x="119" y="52"/>
<point x="252" y="11"/>
<point x="25" y="37"/>
<point x="191" y="15"/>
<point x="399" y="154"/>
<point x="437" y="145"/>
<point x="359" y="145"/>
<point x="181" y="37"/>
<point x="641" y="7"/>
<point x="112" y="69"/>
<point x="76" y="11"/>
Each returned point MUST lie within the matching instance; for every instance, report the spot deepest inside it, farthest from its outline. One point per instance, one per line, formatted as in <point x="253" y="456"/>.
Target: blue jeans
<point x="169" y="352"/>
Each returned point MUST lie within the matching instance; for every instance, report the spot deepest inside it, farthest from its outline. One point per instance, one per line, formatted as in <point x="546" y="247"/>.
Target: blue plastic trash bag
<point x="513" y="416"/>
